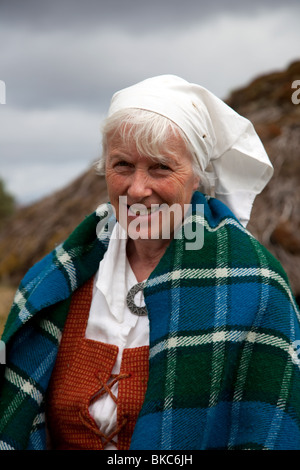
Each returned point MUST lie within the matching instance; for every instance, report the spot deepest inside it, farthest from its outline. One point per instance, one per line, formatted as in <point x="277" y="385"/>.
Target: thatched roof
<point x="275" y="219"/>
<point x="35" y="230"/>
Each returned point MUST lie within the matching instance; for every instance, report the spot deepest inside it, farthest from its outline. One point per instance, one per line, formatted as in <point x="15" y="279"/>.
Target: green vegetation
<point x="7" y="203"/>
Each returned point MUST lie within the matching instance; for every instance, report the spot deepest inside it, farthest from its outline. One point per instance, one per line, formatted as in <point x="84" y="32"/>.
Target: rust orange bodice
<point x="83" y="372"/>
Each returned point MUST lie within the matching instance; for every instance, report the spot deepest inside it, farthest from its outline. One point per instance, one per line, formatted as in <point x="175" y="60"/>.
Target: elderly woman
<point x="160" y="323"/>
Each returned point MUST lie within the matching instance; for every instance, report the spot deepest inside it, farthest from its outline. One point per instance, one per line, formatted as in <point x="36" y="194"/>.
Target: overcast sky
<point x="61" y="60"/>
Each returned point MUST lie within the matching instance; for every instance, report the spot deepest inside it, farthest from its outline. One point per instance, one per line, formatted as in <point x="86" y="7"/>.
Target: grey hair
<point x="151" y="133"/>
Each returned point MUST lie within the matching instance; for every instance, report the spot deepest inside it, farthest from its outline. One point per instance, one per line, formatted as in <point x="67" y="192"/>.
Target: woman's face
<point x="138" y="185"/>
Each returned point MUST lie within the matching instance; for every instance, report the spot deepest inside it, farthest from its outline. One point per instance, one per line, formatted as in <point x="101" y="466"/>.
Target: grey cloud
<point x="133" y="15"/>
<point x="62" y="60"/>
<point x="73" y="53"/>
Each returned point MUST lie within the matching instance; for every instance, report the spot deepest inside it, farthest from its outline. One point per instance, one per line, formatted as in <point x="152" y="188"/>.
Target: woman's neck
<point x="144" y="256"/>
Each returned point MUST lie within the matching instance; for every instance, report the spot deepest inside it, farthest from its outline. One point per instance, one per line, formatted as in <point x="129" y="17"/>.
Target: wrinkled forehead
<point x="135" y="138"/>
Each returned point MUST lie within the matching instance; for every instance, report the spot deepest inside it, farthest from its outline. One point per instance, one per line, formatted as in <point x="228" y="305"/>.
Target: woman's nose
<point x="139" y="186"/>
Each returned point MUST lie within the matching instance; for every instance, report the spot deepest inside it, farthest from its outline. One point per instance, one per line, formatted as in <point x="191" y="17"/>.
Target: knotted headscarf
<point x="220" y="136"/>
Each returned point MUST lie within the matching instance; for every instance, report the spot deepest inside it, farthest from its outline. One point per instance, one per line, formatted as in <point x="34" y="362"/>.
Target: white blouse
<point x="111" y="322"/>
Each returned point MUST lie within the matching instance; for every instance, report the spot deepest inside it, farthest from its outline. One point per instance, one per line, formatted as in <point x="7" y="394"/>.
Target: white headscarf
<point x="219" y="135"/>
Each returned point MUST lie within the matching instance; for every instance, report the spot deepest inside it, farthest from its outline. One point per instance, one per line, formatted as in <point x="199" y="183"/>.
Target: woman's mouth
<point x="140" y="210"/>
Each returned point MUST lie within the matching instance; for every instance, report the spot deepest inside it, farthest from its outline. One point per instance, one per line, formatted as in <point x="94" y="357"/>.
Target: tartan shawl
<point x="223" y="324"/>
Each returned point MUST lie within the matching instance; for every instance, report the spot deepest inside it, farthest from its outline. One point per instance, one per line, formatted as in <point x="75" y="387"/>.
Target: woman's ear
<point x="196" y="182"/>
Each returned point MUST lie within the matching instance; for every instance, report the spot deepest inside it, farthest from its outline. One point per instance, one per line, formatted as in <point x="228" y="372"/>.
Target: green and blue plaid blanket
<point x="224" y="328"/>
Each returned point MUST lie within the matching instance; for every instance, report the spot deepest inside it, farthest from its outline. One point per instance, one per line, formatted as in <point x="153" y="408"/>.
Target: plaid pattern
<point x="222" y="368"/>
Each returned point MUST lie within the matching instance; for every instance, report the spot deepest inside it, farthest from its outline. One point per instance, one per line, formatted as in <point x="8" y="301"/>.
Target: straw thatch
<point x="275" y="220"/>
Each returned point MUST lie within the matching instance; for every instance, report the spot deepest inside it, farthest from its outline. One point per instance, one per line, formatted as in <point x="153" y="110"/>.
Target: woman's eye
<point x="161" y="166"/>
<point x="164" y="167"/>
<point x="122" y="163"/>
